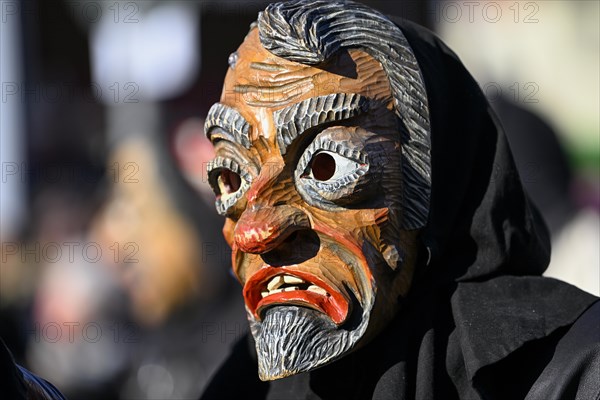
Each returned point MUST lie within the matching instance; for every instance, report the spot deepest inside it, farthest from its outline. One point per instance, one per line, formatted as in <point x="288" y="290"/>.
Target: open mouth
<point x="285" y="286"/>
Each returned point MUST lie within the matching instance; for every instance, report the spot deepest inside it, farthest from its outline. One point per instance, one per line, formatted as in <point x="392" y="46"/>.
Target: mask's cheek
<point x="351" y="239"/>
<point x="387" y="253"/>
<point x="354" y="229"/>
<point x="228" y="229"/>
<point x="338" y="266"/>
<point x="245" y="265"/>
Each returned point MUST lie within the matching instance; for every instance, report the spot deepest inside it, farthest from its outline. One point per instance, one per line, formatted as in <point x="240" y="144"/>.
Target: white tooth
<point x="275" y="283"/>
<point x="275" y="291"/>
<point x="264" y="294"/>
<point x="292" y="279"/>
<point x="316" y="289"/>
<point x="290" y="289"/>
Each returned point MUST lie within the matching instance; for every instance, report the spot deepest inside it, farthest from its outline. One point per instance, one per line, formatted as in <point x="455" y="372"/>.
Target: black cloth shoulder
<point x="17" y="383"/>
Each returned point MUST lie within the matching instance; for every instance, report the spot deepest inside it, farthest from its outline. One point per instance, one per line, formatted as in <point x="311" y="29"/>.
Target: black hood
<point x="477" y="297"/>
<point x="481" y="224"/>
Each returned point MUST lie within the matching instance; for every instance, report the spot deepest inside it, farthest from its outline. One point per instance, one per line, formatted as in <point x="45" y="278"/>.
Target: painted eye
<point x="329" y="173"/>
<point x="229" y="181"/>
<point x="327" y="166"/>
<point x="322" y="166"/>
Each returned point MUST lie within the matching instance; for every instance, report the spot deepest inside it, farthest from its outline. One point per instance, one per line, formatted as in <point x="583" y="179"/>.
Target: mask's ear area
<point x="192" y="151"/>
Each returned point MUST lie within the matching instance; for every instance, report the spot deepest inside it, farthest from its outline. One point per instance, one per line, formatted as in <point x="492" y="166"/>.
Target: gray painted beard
<point x="293" y="339"/>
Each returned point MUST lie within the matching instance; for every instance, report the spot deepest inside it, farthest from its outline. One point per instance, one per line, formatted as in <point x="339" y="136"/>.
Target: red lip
<point x="334" y="304"/>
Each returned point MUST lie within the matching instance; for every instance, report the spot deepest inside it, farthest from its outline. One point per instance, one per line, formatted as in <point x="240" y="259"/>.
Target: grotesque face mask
<point x="315" y="159"/>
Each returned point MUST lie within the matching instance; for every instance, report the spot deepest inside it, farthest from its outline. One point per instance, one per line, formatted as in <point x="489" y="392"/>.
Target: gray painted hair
<point x="311" y="31"/>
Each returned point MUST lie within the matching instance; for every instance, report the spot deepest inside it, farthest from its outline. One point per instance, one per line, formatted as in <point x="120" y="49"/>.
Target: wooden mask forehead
<point x="270" y="97"/>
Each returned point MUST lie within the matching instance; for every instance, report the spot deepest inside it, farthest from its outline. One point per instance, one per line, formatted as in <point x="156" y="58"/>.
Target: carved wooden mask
<point x="317" y="154"/>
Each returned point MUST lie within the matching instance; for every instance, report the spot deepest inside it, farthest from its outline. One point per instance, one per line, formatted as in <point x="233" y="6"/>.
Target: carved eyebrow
<point x="235" y="127"/>
<point x="297" y="118"/>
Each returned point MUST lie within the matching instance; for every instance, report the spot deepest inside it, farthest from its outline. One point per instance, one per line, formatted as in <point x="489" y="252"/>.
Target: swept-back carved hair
<point x="311" y="31"/>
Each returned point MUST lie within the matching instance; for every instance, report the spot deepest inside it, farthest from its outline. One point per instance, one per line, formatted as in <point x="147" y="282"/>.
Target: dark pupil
<point x="323" y="166"/>
<point x="230" y="180"/>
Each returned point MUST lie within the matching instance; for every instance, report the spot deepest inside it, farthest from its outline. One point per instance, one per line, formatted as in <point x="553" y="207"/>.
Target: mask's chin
<point x="293" y="339"/>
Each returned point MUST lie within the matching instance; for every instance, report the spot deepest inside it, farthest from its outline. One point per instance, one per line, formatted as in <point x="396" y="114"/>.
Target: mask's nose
<point x="261" y="229"/>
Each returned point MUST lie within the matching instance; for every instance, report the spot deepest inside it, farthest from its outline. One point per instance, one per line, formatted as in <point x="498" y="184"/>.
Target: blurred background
<point x="114" y="279"/>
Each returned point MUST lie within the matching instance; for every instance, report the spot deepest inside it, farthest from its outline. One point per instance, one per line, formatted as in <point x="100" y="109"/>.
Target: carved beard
<point x="293" y="339"/>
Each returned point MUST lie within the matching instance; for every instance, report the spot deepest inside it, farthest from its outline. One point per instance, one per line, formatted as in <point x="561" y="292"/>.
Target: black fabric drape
<point x="17" y="383"/>
<point x="480" y="322"/>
